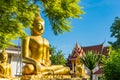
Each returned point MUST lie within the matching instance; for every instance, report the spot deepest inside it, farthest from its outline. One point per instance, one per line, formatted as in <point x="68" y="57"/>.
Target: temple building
<point x="74" y="62"/>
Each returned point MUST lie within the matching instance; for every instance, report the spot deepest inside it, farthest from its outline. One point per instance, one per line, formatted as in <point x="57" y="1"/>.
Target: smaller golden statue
<point x="5" y="67"/>
<point x="35" y="52"/>
<point x="80" y="69"/>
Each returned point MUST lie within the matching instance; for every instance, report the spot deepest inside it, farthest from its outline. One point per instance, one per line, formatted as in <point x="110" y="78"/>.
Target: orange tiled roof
<point x="95" y="48"/>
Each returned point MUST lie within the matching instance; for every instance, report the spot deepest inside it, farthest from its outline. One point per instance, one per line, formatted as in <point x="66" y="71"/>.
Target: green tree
<point x="90" y="60"/>
<point x="111" y="66"/>
<point x="15" y="15"/>
<point x="57" y="57"/>
<point x="115" y="32"/>
<point x="59" y="13"/>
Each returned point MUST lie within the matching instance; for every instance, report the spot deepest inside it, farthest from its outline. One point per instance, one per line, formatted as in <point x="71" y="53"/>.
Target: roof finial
<point x="77" y="45"/>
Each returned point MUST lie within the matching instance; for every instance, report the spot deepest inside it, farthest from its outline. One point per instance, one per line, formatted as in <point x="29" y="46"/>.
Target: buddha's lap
<point x="31" y="68"/>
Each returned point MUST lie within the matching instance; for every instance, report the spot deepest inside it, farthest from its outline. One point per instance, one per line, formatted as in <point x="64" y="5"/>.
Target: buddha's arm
<point x="10" y="71"/>
<point x="25" y="52"/>
<point x="47" y="53"/>
<point x="48" y="56"/>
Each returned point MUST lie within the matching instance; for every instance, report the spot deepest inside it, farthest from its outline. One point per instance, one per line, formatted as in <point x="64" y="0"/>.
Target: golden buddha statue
<point x="35" y="52"/>
<point x="80" y="69"/>
<point x="5" y="67"/>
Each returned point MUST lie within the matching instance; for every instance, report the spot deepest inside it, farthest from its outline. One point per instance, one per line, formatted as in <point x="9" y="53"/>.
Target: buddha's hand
<point x="48" y="63"/>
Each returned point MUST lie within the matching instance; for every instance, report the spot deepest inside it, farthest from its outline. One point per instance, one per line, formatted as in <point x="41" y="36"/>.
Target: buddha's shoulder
<point x="45" y="40"/>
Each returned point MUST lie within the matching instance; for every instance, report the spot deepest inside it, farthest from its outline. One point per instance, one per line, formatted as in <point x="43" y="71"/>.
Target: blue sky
<point x="92" y="29"/>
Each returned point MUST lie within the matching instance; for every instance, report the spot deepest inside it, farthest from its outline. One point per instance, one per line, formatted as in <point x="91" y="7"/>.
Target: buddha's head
<point x="37" y="26"/>
<point x="4" y="56"/>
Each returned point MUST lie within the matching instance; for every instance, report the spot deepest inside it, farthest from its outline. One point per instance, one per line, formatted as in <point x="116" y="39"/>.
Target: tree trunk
<point x="91" y="74"/>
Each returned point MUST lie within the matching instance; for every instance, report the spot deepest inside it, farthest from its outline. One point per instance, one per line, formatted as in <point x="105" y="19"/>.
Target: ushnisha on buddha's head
<point x="37" y="26"/>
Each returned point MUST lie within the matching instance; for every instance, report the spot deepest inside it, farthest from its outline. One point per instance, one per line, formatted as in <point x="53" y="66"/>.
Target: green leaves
<point x="111" y="65"/>
<point x="115" y="32"/>
<point x="5" y="41"/>
<point x="15" y="16"/>
<point x="115" y="28"/>
<point x="57" y="57"/>
<point x="59" y="13"/>
<point x="90" y="60"/>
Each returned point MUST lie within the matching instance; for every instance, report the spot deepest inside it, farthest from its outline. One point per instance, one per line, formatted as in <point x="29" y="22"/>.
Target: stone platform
<point x="45" y="77"/>
<point x="49" y="77"/>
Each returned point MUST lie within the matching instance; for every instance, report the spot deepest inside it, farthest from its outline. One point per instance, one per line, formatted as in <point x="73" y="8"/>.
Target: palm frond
<point x="90" y="60"/>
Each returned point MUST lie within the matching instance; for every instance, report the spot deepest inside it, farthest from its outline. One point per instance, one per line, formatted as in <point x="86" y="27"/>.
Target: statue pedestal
<point x="44" y="77"/>
<point x="56" y="76"/>
<point x="30" y="77"/>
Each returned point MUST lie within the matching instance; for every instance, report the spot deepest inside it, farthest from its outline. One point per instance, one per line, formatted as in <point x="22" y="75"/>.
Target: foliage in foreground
<point x="111" y="66"/>
<point x="15" y="15"/>
<point x="57" y="57"/>
<point x="59" y="13"/>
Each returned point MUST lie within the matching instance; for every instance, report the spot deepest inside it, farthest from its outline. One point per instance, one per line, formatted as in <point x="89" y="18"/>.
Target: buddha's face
<point x="38" y="27"/>
<point x="5" y="58"/>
